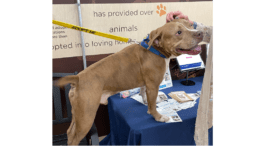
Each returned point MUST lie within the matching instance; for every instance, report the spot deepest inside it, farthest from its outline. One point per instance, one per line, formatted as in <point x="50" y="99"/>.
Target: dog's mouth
<point x="192" y="51"/>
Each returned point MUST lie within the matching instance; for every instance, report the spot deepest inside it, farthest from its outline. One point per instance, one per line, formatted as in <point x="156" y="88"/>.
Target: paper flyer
<point x="169" y="107"/>
<point x="161" y="97"/>
<point x="167" y="80"/>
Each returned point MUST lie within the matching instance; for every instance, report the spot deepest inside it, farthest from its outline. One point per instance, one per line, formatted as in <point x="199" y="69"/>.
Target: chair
<point x="59" y="118"/>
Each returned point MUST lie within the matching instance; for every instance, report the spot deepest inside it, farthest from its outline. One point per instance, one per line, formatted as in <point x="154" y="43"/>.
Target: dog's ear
<point x="154" y="37"/>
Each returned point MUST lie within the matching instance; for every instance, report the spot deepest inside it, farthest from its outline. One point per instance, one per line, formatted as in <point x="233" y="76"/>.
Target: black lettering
<point x="127" y="13"/>
<point x="93" y="32"/>
<point x="136" y="12"/>
<point x="78" y="45"/>
<point x="125" y="28"/>
<point x="129" y="29"/>
<point x="115" y="29"/>
<point x="65" y="46"/>
<point x="111" y="30"/>
<point x="95" y="14"/>
<point x="70" y="45"/>
<point x="83" y="29"/>
<point x="56" y="47"/>
<point x="110" y="14"/>
<point x="62" y="36"/>
<point x="135" y="28"/>
<point x="110" y="43"/>
<point x="75" y="27"/>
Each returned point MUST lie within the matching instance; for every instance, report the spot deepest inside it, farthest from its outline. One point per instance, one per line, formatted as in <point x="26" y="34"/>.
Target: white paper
<point x="161" y="97"/>
<point x="171" y="106"/>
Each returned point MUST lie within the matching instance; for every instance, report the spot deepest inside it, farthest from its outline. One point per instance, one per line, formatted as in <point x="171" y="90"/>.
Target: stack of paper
<point x="171" y="106"/>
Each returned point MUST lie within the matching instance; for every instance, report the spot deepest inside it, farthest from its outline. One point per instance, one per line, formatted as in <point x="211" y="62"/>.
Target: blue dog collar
<point x="152" y="49"/>
<point x="195" y="24"/>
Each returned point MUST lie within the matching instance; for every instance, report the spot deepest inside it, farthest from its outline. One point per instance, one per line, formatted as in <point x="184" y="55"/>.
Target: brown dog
<point x="132" y="67"/>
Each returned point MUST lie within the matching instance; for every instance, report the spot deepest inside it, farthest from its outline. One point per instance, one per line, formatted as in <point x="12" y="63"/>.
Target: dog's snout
<point x="198" y="34"/>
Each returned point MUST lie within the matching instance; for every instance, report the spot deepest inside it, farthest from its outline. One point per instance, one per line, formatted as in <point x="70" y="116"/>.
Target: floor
<point x="83" y="142"/>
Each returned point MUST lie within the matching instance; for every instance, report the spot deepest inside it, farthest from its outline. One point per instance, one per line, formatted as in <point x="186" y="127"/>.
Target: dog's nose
<point x="198" y="34"/>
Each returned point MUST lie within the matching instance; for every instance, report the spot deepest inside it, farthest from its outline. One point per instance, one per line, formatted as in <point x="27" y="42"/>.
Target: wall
<point x="133" y="20"/>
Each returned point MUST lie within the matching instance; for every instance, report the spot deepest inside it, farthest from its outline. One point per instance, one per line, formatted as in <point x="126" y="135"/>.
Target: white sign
<point x="187" y="62"/>
<point x="131" y="20"/>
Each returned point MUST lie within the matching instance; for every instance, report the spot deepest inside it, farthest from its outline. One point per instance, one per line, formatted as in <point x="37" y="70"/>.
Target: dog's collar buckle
<point x="133" y="41"/>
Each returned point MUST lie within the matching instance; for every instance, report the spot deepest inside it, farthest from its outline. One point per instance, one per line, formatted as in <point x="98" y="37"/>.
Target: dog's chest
<point x="167" y="62"/>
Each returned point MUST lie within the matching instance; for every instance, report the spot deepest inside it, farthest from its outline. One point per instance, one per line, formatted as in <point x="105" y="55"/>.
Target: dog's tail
<point x="73" y="79"/>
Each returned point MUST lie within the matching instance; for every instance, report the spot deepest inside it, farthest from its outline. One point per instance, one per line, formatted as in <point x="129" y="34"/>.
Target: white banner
<point x="131" y="20"/>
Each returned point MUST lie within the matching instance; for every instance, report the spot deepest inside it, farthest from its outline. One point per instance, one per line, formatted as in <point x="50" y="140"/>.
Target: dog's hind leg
<point x="84" y="108"/>
<point x="71" y="126"/>
<point x="71" y="131"/>
<point x="81" y="130"/>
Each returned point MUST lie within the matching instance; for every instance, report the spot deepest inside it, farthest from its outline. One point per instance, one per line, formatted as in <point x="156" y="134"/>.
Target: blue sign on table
<point x="190" y="65"/>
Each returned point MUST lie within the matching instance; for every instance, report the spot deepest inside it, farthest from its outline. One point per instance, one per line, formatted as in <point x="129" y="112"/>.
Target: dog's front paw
<point x="163" y="119"/>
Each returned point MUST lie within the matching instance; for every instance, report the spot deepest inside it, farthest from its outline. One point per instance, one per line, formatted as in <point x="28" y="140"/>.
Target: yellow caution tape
<point x="71" y="26"/>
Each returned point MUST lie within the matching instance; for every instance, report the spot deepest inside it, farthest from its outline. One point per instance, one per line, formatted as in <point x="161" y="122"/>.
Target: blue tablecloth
<point x="131" y="125"/>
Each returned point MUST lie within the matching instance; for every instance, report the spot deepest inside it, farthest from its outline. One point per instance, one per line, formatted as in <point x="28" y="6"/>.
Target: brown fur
<point x="132" y="67"/>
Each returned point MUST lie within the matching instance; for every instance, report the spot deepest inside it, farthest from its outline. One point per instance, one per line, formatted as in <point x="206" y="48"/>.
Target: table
<point x="131" y="125"/>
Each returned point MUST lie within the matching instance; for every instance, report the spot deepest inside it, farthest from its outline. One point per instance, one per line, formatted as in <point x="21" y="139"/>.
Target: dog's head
<point x="176" y="38"/>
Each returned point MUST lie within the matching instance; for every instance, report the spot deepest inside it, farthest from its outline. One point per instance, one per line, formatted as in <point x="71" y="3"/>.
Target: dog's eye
<point x="178" y="33"/>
